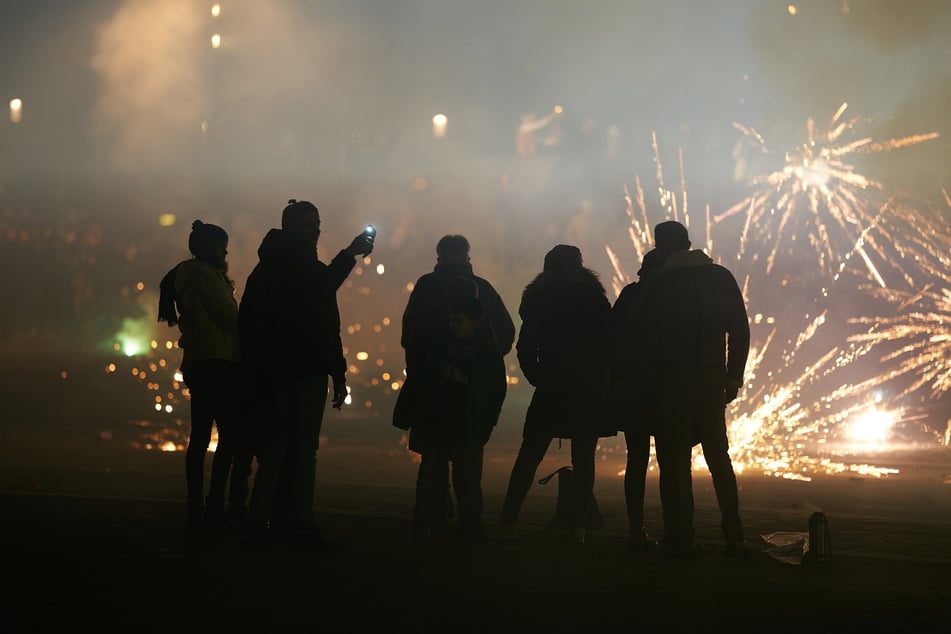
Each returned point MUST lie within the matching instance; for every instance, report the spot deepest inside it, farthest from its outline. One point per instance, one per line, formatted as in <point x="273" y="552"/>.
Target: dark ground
<point x="101" y="548"/>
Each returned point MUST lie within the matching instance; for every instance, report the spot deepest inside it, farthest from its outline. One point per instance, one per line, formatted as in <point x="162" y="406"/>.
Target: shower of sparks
<point x="640" y="228"/>
<point x="813" y="400"/>
<point x="816" y="196"/>
<point x="914" y="337"/>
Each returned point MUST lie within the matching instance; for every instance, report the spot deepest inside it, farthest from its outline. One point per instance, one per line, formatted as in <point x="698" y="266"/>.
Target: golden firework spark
<point x="816" y="194"/>
<point x="915" y="337"/>
<point x="809" y="407"/>
<point x="674" y="206"/>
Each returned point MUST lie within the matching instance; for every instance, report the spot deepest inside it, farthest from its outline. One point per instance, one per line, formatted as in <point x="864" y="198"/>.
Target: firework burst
<point x="816" y="196"/>
<point x="914" y="335"/>
<point x="814" y="397"/>
<point x="674" y="206"/>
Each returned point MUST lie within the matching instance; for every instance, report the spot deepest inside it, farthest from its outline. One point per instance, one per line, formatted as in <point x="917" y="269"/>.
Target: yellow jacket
<point x="209" y="312"/>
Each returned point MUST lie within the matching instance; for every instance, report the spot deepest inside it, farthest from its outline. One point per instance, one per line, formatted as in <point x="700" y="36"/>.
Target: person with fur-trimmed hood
<point x="562" y="352"/>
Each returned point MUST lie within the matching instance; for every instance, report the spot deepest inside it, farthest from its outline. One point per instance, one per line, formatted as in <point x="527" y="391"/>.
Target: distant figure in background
<point x="562" y="352"/>
<point x="425" y="319"/>
<point x="696" y="338"/>
<point x="289" y="324"/>
<point x="461" y="385"/>
<point x="630" y="404"/>
<point x="528" y="126"/>
<point x="198" y="297"/>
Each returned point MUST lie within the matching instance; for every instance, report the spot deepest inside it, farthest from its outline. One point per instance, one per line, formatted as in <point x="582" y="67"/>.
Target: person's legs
<point x="241" y="468"/>
<point x="202" y="404"/>
<point x="673" y="442"/>
<point x="716" y="445"/>
<point x="635" y="479"/>
<point x="309" y="399"/>
<point x="582" y="465"/>
<point x="467" y="482"/>
<point x="530" y="455"/>
<point x="222" y="394"/>
<point x="431" y="488"/>
<point x="272" y="451"/>
<point x="250" y="420"/>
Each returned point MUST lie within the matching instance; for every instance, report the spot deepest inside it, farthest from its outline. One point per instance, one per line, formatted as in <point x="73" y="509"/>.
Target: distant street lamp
<point x="16" y="110"/>
<point x="439" y="125"/>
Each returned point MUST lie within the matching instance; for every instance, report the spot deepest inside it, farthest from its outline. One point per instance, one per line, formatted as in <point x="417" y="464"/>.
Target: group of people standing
<point x="260" y="371"/>
<point x="664" y="361"/>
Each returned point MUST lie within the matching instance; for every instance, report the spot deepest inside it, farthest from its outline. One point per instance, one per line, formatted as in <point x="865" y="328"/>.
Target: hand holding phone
<point x="363" y="243"/>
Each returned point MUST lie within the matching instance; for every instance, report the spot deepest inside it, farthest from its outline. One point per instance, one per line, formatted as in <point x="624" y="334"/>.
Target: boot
<point x="576" y="535"/>
<point x="640" y="542"/>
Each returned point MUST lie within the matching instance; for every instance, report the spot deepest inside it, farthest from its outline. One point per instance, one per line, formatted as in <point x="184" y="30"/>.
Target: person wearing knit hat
<point x="206" y="239"/>
<point x="198" y="297"/>
<point x="671" y="236"/>
<point x="563" y="257"/>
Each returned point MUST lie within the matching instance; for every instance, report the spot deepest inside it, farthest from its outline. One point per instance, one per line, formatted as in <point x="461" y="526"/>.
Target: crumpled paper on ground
<point x="787" y="546"/>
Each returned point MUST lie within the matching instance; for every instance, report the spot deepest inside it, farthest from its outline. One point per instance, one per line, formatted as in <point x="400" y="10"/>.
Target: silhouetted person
<point x="696" y="340"/>
<point x="561" y="350"/>
<point x="631" y="406"/>
<point x="426" y="301"/>
<point x="462" y="385"/>
<point x="425" y="316"/>
<point x="198" y="297"/>
<point x="290" y="334"/>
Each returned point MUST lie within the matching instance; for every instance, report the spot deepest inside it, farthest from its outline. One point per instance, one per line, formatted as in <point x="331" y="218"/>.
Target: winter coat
<point x="209" y="312"/>
<point x="562" y="352"/>
<point x="694" y="318"/>
<point x="629" y="399"/>
<point x="288" y="319"/>
<point x="451" y="411"/>
<point x="425" y="306"/>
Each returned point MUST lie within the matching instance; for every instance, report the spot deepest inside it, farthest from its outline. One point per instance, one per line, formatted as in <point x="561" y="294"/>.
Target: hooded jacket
<point x="426" y="300"/>
<point x="450" y="413"/>
<point x="694" y="317"/>
<point x="209" y="312"/>
<point x="562" y="351"/>
<point x="288" y="320"/>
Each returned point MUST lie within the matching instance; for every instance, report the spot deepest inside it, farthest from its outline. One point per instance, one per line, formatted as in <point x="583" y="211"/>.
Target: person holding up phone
<point x="289" y="327"/>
